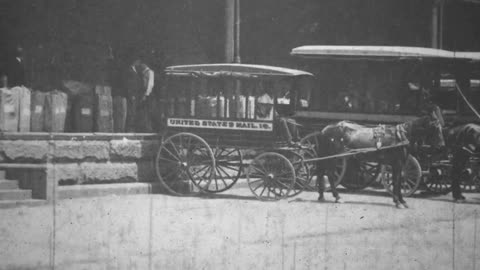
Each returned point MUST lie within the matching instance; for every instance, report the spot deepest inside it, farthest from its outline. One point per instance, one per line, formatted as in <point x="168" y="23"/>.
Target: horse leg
<point x="396" y="186"/>
<point x="401" y="166"/>
<point x="459" y="162"/>
<point x="321" y="184"/>
<point x="331" y="180"/>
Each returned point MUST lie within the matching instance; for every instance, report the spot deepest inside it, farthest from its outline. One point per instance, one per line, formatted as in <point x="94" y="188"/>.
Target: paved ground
<point x="234" y="231"/>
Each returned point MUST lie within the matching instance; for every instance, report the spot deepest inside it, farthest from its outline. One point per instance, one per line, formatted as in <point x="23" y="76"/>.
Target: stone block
<point x="109" y="172"/>
<point x="20" y="150"/>
<point x="81" y="150"/>
<point x="98" y="150"/>
<point x="70" y="150"/>
<point x="133" y="149"/>
<point x="67" y="173"/>
<point x="150" y="149"/>
<point x="125" y="149"/>
<point x="146" y="171"/>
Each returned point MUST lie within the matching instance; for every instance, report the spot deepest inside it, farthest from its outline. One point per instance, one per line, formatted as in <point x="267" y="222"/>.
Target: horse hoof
<point x="459" y="199"/>
<point x="339" y="200"/>
<point x="321" y="199"/>
<point x="400" y="206"/>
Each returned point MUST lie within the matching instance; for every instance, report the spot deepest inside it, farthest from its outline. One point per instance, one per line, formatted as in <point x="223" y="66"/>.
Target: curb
<point x="5" y="204"/>
<point x="95" y="190"/>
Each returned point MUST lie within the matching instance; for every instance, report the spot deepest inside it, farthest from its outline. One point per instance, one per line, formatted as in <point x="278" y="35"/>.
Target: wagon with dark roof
<point x="223" y="124"/>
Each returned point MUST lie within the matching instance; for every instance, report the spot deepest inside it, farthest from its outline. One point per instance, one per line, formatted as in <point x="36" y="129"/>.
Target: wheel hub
<point x="183" y="164"/>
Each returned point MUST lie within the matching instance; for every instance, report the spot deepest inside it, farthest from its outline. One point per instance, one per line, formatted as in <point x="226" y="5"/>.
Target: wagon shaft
<point x="354" y="152"/>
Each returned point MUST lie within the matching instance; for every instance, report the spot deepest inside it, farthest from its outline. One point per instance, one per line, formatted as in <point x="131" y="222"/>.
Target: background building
<point x="73" y="38"/>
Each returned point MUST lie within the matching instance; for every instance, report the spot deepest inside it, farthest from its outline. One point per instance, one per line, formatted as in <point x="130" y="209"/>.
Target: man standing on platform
<point x="16" y="68"/>
<point x="119" y="92"/>
<point x="140" y="85"/>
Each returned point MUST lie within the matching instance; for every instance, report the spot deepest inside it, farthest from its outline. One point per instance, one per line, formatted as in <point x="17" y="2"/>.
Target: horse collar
<point x="378" y="134"/>
<point x="402" y="131"/>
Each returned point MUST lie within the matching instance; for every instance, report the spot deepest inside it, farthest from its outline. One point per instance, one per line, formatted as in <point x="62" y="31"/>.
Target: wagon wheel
<point x="271" y="176"/>
<point x="310" y="142"/>
<point x="365" y="172"/>
<point x="411" y="177"/>
<point x="477" y="183"/>
<point x="470" y="181"/>
<point x="181" y="158"/>
<point x="302" y="172"/>
<point x="228" y="168"/>
<point x="438" y="180"/>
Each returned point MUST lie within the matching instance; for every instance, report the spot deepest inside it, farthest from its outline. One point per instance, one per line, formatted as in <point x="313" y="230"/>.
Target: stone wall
<point x="85" y="158"/>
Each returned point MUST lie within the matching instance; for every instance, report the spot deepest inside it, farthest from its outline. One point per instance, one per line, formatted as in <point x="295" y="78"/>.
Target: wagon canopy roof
<point x="471" y="56"/>
<point x="371" y="52"/>
<point x="233" y="70"/>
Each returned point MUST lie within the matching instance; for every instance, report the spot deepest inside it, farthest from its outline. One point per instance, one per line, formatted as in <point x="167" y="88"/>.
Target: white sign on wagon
<point x="220" y="124"/>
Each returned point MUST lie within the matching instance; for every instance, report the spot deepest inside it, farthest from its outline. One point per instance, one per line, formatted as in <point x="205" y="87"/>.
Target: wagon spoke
<point x="216" y="183"/>
<point x="407" y="185"/>
<point x="410" y="181"/>
<point x="223" y="179"/>
<point x="282" y="184"/>
<point x="256" y="176"/>
<point x="258" y="186"/>
<point x="203" y="151"/>
<point x="229" y="167"/>
<point x="230" y="160"/>
<point x="226" y="174"/>
<point x="268" y="192"/>
<point x="189" y="142"/>
<point x="263" y="167"/>
<point x="181" y="140"/>
<point x="167" y="160"/>
<point x="301" y="180"/>
<point x="209" y="180"/>
<point x="207" y="171"/>
<point x="259" y="170"/>
<point x="170" y="173"/>
<point x="175" y="149"/>
<point x="235" y="168"/>
<point x="279" y="193"/>
<point x="263" y="190"/>
<point x="215" y="152"/>
<point x="231" y="151"/>
<point x="171" y="154"/>
<point x="198" y="179"/>
<point x="202" y="169"/>
<point x="283" y="174"/>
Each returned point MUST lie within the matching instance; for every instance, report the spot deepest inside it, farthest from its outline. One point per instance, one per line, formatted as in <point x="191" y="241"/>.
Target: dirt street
<point x="235" y="231"/>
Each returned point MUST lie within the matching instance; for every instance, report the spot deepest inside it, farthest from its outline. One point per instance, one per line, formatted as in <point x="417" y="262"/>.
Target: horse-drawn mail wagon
<point x="225" y="122"/>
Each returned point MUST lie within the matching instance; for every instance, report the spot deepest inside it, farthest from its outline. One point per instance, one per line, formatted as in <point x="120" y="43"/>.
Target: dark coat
<point x="16" y="72"/>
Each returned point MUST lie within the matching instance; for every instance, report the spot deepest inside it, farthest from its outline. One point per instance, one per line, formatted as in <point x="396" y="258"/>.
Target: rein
<point x="403" y="130"/>
<point x="466" y="101"/>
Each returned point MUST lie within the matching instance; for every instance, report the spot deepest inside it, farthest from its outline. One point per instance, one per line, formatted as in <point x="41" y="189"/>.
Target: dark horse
<point x="463" y="142"/>
<point x="343" y="136"/>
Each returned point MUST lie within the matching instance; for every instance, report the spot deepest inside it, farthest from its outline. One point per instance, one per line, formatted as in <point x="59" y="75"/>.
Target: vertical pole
<point x="435" y="25"/>
<point x="229" y="30"/>
<point x="440" y="23"/>
<point x="237" y="31"/>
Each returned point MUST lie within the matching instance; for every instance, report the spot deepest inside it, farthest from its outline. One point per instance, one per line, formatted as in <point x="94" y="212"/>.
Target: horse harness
<point x="399" y="131"/>
<point x="381" y="135"/>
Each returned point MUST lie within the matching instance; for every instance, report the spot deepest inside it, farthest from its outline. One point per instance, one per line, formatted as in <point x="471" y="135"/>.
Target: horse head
<point x="333" y="140"/>
<point x="429" y="128"/>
